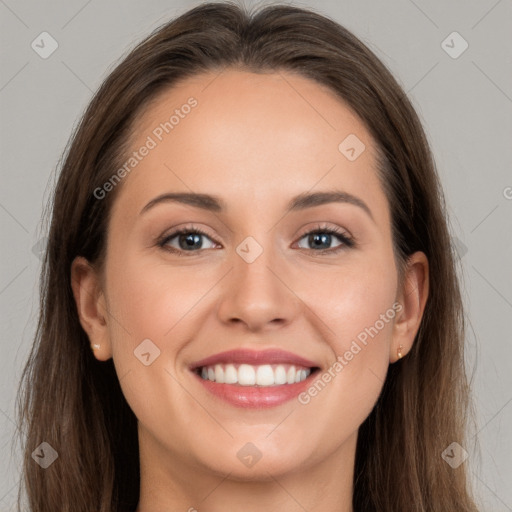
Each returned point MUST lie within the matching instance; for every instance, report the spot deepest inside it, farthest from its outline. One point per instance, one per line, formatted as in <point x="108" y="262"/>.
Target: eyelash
<point x="348" y="242"/>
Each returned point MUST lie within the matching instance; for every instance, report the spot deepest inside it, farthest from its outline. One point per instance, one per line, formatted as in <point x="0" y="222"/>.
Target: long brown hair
<point x="73" y="402"/>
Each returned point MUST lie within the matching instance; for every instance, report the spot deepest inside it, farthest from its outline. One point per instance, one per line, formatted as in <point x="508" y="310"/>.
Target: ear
<point x="412" y="297"/>
<point x="91" y="306"/>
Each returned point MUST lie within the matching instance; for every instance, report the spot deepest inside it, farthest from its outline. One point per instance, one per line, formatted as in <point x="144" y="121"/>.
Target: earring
<point x="399" y="352"/>
<point x="95" y="346"/>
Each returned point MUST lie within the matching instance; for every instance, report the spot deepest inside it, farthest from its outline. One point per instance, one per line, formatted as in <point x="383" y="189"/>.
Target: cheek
<point x="363" y="315"/>
<point x="358" y="308"/>
<point x="352" y="298"/>
<point x="150" y="299"/>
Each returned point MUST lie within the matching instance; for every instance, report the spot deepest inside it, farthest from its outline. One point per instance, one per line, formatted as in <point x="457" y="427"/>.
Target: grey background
<point x="464" y="103"/>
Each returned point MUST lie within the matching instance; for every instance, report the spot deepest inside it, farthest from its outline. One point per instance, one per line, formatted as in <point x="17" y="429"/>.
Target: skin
<point x="255" y="141"/>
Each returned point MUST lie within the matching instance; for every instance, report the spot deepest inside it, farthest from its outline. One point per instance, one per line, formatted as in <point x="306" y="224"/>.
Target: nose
<point x="257" y="296"/>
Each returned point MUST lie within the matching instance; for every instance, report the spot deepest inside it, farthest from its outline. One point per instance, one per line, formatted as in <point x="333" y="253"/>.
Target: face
<point x="281" y="287"/>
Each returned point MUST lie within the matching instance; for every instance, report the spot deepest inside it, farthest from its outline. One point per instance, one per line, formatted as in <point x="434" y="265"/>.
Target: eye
<point x="321" y="238"/>
<point x="191" y="240"/>
<point x="187" y="239"/>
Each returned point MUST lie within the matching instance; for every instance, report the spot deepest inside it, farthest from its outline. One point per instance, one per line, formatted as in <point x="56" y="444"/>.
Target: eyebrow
<point x="298" y="203"/>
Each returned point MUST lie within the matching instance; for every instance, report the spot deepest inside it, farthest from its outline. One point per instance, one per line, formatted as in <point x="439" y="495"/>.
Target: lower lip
<point x="258" y="397"/>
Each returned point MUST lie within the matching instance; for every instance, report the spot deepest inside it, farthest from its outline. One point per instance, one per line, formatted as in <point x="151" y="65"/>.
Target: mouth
<point x="256" y="379"/>
<point x="265" y="375"/>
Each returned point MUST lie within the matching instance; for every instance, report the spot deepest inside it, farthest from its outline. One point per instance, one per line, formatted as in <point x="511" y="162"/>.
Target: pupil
<point x="190" y="239"/>
<point x="318" y="239"/>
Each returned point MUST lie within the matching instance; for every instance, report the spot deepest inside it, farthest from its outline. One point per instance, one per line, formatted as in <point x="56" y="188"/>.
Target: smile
<point x="250" y="375"/>
<point x="257" y="379"/>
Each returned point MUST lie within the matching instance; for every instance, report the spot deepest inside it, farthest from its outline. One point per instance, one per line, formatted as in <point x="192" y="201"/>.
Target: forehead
<point x="251" y="136"/>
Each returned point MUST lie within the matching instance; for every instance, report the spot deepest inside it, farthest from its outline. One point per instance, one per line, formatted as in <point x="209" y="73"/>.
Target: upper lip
<point x="254" y="357"/>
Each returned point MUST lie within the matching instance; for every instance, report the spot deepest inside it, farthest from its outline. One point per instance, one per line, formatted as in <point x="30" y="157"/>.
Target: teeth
<point x="249" y="375"/>
<point x="300" y="375"/>
<point x="280" y="375"/>
<point x="265" y="375"/>
<point x="246" y="375"/>
<point x="219" y="373"/>
<point x="230" y="375"/>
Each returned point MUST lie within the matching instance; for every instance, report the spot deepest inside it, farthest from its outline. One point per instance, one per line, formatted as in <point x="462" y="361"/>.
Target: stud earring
<point x="95" y="346"/>
<point x="399" y="352"/>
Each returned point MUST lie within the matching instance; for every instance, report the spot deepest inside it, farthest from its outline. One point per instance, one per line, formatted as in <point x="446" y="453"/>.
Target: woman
<point x="249" y="232"/>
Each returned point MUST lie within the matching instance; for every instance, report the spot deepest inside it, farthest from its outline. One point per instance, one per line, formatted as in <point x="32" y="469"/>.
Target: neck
<point x="167" y="484"/>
